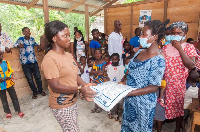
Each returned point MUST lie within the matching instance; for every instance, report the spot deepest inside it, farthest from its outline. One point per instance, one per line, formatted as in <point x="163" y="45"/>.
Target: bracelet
<point x="79" y="88"/>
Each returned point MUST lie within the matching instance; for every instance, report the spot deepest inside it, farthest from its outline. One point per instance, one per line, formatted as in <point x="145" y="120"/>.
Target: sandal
<point x="98" y="110"/>
<point x="110" y="115"/>
<point x="116" y="117"/>
<point x="21" y="114"/>
<point x="94" y="110"/>
<point x="43" y="93"/>
<point x="34" y="96"/>
<point x="8" y="116"/>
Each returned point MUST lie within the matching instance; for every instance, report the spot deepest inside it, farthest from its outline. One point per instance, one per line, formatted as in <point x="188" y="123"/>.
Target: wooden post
<point x="46" y="11"/>
<point x="131" y="22"/>
<point x="105" y="20"/>
<point x="86" y="24"/>
<point x="165" y="10"/>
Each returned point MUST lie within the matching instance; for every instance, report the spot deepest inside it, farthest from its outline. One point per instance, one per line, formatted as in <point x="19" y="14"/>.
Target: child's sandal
<point x="110" y="115"/>
<point x="8" y="116"/>
<point x="98" y="110"/>
<point x="94" y="110"/>
<point x="116" y="117"/>
<point x="21" y="114"/>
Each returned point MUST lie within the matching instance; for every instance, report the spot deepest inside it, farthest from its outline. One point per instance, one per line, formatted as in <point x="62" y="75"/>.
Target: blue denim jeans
<point x="31" y="70"/>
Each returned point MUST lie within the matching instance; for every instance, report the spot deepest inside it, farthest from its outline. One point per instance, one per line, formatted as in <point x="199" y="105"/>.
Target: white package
<point x="110" y="93"/>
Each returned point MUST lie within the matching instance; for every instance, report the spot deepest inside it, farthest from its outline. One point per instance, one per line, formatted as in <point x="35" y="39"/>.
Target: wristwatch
<point x="79" y="88"/>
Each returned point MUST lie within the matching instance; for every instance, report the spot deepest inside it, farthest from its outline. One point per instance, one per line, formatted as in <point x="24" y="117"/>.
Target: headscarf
<point x="179" y="24"/>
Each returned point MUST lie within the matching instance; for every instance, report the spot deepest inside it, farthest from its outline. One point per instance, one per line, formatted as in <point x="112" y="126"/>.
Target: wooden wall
<point x="178" y="10"/>
<point x="21" y="85"/>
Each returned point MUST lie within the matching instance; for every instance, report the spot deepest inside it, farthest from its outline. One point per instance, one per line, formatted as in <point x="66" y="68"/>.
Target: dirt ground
<point x="38" y="118"/>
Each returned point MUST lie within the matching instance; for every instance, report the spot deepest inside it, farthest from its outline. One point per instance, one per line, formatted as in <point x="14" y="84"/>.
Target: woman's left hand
<point x="176" y="44"/>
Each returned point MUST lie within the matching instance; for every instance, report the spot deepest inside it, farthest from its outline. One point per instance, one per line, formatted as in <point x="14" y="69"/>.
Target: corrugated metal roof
<point x="77" y="6"/>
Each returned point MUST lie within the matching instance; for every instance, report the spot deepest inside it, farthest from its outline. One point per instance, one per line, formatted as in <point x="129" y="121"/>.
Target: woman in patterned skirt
<point x="146" y="71"/>
<point x="179" y="56"/>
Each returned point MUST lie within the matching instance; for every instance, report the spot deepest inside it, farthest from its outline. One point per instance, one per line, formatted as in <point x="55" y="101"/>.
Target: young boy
<point x="115" y="73"/>
<point x="6" y="84"/>
<point x="29" y="63"/>
<point x="94" y="44"/>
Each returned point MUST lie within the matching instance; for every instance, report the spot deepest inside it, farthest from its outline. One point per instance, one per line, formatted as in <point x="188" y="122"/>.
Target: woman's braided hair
<point x="157" y="28"/>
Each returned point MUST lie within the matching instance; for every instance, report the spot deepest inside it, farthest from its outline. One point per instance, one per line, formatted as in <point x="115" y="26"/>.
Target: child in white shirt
<point x="115" y="73"/>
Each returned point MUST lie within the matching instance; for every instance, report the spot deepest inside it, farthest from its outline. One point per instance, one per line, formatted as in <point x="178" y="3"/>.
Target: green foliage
<point x="14" y="18"/>
<point x="131" y="1"/>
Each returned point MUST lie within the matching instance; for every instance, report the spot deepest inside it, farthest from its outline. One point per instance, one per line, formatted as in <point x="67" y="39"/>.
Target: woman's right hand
<point x="88" y="93"/>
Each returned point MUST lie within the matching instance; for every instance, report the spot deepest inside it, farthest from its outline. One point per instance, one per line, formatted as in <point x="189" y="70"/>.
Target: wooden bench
<point x="196" y="113"/>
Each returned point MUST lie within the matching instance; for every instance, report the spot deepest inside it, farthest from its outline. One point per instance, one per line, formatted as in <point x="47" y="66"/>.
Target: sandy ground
<point x="38" y="118"/>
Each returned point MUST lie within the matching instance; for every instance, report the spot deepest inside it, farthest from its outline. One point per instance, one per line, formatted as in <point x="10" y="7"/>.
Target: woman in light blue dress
<point x="146" y="71"/>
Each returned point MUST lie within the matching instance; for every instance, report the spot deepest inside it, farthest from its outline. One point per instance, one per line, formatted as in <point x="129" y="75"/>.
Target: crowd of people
<point x="157" y="61"/>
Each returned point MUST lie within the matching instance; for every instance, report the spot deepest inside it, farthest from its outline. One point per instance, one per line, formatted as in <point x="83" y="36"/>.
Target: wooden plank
<point x="135" y="3"/>
<point x="131" y="22"/>
<point x="165" y="10"/>
<point x="105" y="20"/>
<point x="46" y="11"/>
<point x="74" y="6"/>
<point x="105" y="6"/>
<point x="86" y="23"/>
<point x="33" y="2"/>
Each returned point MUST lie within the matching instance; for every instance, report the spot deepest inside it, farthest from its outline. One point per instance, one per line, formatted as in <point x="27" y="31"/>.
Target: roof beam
<point x="33" y="2"/>
<point x="13" y="3"/>
<point x="135" y="3"/>
<point x="76" y="2"/>
<point x="105" y="6"/>
<point x="74" y="6"/>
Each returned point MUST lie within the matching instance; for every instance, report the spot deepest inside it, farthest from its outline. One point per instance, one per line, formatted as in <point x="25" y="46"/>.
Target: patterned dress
<point x="139" y="110"/>
<point x="197" y="60"/>
<point x="98" y="79"/>
<point x="175" y="76"/>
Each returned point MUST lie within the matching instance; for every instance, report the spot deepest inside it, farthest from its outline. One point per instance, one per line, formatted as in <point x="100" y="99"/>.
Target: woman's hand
<point x="122" y="83"/>
<point x="176" y="44"/>
<point x="7" y="78"/>
<point x="1" y="80"/>
<point x="88" y="93"/>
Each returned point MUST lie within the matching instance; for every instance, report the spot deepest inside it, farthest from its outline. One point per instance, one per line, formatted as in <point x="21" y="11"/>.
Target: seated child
<point x="84" y="70"/>
<point x="192" y="91"/>
<point x="98" y="73"/>
<point x="115" y="73"/>
<point x="6" y="84"/>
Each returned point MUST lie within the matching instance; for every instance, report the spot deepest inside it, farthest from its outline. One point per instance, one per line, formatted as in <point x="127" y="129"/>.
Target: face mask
<point x="183" y="38"/>
<point x="115" y="63"/>
<point x="168" y="38"/>
<point x="79" y="39"/>
<point x="126" y="66"/>
<point x="176" y="37"/>
<point x="143" y="42"/>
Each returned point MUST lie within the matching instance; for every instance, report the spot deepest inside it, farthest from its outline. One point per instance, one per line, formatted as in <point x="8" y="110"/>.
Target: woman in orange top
<point x="61" y="72"/>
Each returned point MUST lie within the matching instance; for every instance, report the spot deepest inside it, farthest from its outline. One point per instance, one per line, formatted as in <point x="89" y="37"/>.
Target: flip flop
<point x="94" y="110"/>
<point x="8" y="116"/>
<point x="21" y="114"/>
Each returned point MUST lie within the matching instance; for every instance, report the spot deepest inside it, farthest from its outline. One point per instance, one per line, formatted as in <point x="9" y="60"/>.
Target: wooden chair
<point x="196" y="113"/>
